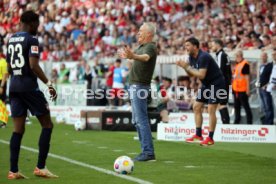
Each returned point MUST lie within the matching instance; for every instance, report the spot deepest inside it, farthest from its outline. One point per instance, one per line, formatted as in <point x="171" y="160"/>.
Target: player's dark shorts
<point x="213" y="94"/>
<point x="33" y="101"/>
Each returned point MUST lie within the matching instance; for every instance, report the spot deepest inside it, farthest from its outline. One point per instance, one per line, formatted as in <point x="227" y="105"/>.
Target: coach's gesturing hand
<point x="129" y="53"/>
<point x="121" y="53"/>
<point x="126" y="53"/>
<point x="182" y="64"/>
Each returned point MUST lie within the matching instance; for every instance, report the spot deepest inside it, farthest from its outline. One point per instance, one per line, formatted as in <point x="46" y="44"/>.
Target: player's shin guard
<point x="44" y="146"/>
<point x="15" y="143"/>
<point x="224" y="115"/>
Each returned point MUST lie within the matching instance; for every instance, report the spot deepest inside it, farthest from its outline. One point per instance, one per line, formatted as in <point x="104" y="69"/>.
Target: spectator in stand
<point x="183" y="93"/>
<point x="118" y="84"/>
<point x="88" y="76"/>
<point x="126" y="38"/>
<point x="45" y="55"/>
<point x="57" y="53"/>
<point x="166" y="92"/>
<point x="54" y="76"/>
<point x="87" y="52"/>
<point x="257" y="43"/>
<point x="175" y="20"/>
<point x="81" y="70"/>
<point x="109" y="79"/>
<point x="126" y="74"/>
<point x="75" y="54"/>
<point x="99" y="69"/>
<point x="267" y="42"/>
<point x="64" y="73"/>
<point x="264" y="71"/>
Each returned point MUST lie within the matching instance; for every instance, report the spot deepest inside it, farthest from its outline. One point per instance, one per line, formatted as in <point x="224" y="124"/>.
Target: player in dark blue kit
<point x="212" y="92"/>
<point x="24" y="69"/>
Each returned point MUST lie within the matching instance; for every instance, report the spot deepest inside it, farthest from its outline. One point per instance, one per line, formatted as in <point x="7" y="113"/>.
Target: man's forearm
<point x="142" y="57"/>
<point x="193" y="72"/>
<point x="40" y="74"/>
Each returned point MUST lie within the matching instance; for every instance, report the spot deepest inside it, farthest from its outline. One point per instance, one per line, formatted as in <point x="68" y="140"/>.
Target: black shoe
<point x="144" y="158"/>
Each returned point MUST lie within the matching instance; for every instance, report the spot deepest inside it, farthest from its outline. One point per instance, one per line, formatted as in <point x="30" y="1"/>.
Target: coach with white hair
<point x="144" y="60"/>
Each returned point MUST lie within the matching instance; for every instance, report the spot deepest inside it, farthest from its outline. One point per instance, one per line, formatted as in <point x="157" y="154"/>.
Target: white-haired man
<point x="140" y="76"/>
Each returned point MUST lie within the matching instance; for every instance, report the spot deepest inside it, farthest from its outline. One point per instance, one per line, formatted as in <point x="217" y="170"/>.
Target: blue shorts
<point x="215" y="94"/>
<point x="33" y="101"/>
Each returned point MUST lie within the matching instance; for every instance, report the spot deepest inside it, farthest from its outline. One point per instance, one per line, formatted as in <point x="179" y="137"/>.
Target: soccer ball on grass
<point x="123" y="165"/>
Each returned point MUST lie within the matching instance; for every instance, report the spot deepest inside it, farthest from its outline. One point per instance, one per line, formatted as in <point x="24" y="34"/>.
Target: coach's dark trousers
<point x="241" y="99"/>
<point x="267" y="106"/>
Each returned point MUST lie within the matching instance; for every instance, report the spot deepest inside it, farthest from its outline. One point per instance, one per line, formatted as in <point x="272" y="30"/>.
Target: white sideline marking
<point x="133" y="153"/>
<point x="168" y="162"/>
<point x="118" y="150"/>
<point x="102" y="147"/>
<point x="80" y="142"/>
<point x="130" y="178"/>
<point x="190" y="166"/>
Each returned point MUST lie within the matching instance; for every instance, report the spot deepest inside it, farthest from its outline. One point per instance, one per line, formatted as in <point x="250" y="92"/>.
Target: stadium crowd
<point x="78" y="29"/>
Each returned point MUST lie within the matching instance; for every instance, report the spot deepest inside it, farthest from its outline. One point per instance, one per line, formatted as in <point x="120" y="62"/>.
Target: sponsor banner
<point x="122" y="121"/>
<point x="223" y="133"/>
<point x="246" y="133"/>
<point x="70" y="114"/>
<point x="186" y="117"/>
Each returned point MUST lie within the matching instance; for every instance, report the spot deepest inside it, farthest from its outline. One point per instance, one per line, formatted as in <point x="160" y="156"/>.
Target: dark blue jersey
<point x="21" y="46"/>
<point x="205" y="61"/>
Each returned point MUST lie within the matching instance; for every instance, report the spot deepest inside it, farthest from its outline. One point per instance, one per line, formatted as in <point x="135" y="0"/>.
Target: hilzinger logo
<point x="178" y="130"/>
<point x="184" y="118"/>
<point x="245" y="132"/>
<point x="263" y="132"/>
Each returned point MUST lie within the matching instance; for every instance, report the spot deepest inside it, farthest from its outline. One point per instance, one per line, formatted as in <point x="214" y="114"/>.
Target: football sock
<point x="198" y="132"/>
<point x="224" y="115"/>
<point x="44" y="146"/>
<point x="211" y="135"/>
<point x="15" y="143"/>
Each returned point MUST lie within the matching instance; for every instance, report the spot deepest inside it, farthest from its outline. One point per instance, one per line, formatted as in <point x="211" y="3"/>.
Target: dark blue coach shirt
<point x="205" y="61"/>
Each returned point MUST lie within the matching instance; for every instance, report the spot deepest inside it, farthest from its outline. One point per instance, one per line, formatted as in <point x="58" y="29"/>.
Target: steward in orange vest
<point x="241" y="90"/>
<point x="240" y="81"/>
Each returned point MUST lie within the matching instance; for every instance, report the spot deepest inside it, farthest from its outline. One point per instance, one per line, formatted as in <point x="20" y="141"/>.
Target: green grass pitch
<point x="177" y="162"/>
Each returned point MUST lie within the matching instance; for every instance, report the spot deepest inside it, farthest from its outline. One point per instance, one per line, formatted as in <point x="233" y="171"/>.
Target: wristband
<point x="49" y="83"/>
